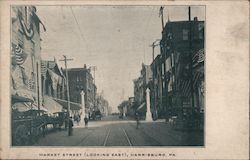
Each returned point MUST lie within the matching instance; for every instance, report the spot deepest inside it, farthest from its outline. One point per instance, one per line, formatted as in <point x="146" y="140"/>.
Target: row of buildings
<point x="176" y="75"/>
<point x="41" y="84"/>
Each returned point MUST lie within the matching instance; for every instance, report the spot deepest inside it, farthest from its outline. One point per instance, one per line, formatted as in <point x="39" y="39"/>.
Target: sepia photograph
<point x="135" y="79"/>
<point x="89" y="75"/>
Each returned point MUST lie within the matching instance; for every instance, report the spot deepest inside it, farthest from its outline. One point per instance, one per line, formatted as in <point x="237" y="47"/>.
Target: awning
<point x="21" y="106"/>
<point x="42" y="109"/>
<point x="22" y="92"/>
<point x="51" y="105"/>
<point x="73" y="105"/>
<point x="141" y="106"/>
<point x="16" y="99"/>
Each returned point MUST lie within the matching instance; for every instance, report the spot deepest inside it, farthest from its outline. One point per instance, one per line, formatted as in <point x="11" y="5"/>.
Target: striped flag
<point x="18" y="55"/>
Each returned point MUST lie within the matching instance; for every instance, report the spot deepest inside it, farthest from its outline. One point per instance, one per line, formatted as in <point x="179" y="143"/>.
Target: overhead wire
<point x="79" y="28"/>
<point x="147" y="23"/>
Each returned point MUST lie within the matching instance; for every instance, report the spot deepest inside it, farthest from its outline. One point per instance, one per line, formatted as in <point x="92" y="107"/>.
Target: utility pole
<point x="153" y="57"/>
<point x="161" y="14"/>
<point x="67" y="84"/>
<point x="190" y="54"/>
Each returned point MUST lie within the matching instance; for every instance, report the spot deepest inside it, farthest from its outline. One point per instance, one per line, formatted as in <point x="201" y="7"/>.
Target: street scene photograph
<point x="107" y="75"/>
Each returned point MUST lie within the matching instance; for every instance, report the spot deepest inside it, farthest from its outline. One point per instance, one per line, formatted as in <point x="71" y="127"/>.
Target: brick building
<point x="81" y="79"/>
<point x="182" y="63"/>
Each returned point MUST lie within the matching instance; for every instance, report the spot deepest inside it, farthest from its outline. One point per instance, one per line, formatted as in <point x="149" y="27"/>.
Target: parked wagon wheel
<point x="21" y="135"/>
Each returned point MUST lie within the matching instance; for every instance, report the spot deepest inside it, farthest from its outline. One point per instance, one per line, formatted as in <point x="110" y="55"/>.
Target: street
<point x="112" y="131"/>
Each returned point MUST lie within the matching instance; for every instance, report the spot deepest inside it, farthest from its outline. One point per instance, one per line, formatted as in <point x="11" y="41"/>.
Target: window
<point x="162" y="69"/>
<point x="185" y="34"/>
<point x="168" y="64"/>
<point x="201" y="34"/>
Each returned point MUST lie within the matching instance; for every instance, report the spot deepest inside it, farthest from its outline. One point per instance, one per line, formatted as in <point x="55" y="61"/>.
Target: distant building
<point x="81" y="79"/>
<point x="140" y="86"/>
<point x="102" y="104"/>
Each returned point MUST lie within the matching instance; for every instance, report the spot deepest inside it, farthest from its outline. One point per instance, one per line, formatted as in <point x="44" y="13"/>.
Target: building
<point x="53" y="80"/>
<point x="25" y="57"/>
<point x="53" y="86"/>
<point x="81" y="79"/>
<point x="182" y="52"/>
<point x="156" y="88"/>
<point x="140" y="85"/>
<point x="102" y="104"/>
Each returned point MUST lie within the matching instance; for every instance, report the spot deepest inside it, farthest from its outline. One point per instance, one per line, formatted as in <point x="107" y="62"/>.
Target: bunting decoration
<point x="28" y="32"/>
<point x="18" y="55"/>
<point x="198" y="57"/>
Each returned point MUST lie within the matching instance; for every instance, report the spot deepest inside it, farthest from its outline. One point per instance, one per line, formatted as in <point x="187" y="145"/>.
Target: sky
<point x="115" y="39"/>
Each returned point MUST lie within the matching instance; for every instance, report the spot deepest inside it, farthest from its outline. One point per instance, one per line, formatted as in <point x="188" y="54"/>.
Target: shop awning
<point x="51" y="105"/>
<point x="25" y="106"/>
<point x="21" y="107"/>
<point x="42" y="109"/>
<point x="73" y="105"/>
<point x="16" y="99"/>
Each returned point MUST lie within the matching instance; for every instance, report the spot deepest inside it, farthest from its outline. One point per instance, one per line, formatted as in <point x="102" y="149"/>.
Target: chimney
<point x="85" y="66"/>
<point x="195" y="18"/>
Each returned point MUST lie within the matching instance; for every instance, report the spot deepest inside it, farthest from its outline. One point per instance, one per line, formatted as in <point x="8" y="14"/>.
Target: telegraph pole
<point x="161" y="14"/>
<point x="67" y="84"/>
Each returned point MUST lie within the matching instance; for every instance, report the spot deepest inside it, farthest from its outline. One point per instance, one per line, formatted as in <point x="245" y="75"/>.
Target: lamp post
<point x="154" y="44"/>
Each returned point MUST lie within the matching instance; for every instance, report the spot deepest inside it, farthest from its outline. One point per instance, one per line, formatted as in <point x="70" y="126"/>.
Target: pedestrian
<point x="86" y="120"/>
<point x="71" y="124"/>
<point x="137" y="117"/>
<point x="78" y="119"/>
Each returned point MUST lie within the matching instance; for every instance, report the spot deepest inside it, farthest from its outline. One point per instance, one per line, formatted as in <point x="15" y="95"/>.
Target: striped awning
<point x="16" y="99"/>
<point x="186" y="84"/>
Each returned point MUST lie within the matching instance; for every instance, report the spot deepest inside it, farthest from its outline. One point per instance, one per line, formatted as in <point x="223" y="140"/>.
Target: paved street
<point x="112" y="131"/>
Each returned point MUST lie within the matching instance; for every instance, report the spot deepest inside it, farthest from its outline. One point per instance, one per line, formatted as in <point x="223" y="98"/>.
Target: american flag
<point x="18" y="55"/>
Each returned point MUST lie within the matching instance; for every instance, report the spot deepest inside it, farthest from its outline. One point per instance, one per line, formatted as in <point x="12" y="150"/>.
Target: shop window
<point x="185" y="34"/>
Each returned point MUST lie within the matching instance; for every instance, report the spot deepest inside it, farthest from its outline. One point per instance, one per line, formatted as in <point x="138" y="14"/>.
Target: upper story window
<point x="185" y="34"/>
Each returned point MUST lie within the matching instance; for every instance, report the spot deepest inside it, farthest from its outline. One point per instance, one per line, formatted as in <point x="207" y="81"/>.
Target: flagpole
<point x="161" y="14"/>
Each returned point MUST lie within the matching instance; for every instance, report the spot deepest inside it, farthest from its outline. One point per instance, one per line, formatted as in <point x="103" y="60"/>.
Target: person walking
<point x="86" y="121"/>
<point x="71" y="124"/>
<point x="78" y="119"/>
